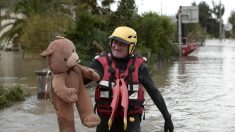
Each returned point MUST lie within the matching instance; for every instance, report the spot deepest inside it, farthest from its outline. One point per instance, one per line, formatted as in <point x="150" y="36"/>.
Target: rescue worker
<point x="119" y="94"/>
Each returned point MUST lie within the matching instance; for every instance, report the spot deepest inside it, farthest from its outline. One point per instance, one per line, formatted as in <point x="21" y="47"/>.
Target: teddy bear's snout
<point x="73" y="60"/>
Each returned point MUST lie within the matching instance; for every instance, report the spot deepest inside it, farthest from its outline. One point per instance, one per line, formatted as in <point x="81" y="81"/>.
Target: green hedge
<point x="9" y="95"/>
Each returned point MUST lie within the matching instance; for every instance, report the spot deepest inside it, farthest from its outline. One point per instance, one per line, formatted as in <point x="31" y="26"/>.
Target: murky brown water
<point x="14" y="70"/>
<point x="199" y="91"/>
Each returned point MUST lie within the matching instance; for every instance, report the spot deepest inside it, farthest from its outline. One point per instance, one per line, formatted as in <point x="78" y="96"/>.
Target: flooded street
<point x="199" y="91"/>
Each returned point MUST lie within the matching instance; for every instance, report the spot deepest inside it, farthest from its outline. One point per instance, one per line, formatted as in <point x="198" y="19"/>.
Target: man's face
<point x="119" y="49"/>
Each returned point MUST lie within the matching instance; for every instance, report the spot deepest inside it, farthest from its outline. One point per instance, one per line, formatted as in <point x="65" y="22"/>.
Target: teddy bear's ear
<point x="50" y="50"/>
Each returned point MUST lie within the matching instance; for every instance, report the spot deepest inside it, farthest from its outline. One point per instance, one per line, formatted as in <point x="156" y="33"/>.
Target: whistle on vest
<point x="131" y="119"/>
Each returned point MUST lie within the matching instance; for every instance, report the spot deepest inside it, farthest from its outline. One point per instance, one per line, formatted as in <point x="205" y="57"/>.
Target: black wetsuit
<point x="147" y="82"/>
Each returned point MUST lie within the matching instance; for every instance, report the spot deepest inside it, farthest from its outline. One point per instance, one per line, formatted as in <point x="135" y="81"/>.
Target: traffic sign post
<point x="186" y="14"/>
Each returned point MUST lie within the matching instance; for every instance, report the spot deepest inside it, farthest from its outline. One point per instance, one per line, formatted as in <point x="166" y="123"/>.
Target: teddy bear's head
<point x="61" y="55"/>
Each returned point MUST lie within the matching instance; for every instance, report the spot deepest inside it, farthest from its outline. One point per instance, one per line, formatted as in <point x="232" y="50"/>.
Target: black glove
<point x="168" y="126"/>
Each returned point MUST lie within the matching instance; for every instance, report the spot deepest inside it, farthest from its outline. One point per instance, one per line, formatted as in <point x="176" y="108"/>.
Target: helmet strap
<point x="131" y="48"/>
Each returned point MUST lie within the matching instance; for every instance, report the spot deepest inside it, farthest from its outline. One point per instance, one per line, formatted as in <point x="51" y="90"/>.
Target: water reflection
<point x="198" y="89"/>
<point x="14" y="70"/>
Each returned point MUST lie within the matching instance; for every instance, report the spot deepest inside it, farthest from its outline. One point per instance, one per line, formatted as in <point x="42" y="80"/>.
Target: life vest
<point x="103" y="94"/>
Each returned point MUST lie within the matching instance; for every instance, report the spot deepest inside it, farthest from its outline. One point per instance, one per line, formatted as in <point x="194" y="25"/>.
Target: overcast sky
<point x="170" y="7"/>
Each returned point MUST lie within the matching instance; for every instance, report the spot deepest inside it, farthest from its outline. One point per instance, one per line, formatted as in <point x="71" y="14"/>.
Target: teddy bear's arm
<point x="88" y="72"/>
<point x="69" y="95"/>
<point x="85" y="107"/>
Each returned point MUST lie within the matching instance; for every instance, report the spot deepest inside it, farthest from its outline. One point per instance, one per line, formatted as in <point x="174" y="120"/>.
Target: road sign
<point x="228" y="27"/>
<point x="190" y="14"/>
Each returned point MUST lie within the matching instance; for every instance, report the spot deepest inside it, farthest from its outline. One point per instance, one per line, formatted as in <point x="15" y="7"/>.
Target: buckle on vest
<point x="135" y="87"/>
<point x="104" y="83"/>
<point x="134" y="95"/>
<point x="104" y="94"/>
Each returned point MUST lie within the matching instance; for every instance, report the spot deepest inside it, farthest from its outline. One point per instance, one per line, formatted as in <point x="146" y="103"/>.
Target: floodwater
<point x="199" y="91"/>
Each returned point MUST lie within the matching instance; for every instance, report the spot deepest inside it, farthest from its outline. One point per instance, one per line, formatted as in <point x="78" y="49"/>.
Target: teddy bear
<point x="67" y="85"/>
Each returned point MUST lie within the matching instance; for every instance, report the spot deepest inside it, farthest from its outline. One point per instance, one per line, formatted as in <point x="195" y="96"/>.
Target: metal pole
<point x="161" y="7"/>
<point x="0" y="16"/>
<point x="180" y="32"/>
<point x="220" y="22"/>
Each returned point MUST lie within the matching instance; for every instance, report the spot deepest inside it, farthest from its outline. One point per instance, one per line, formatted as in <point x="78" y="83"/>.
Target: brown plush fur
<point x="67" y="85"/>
